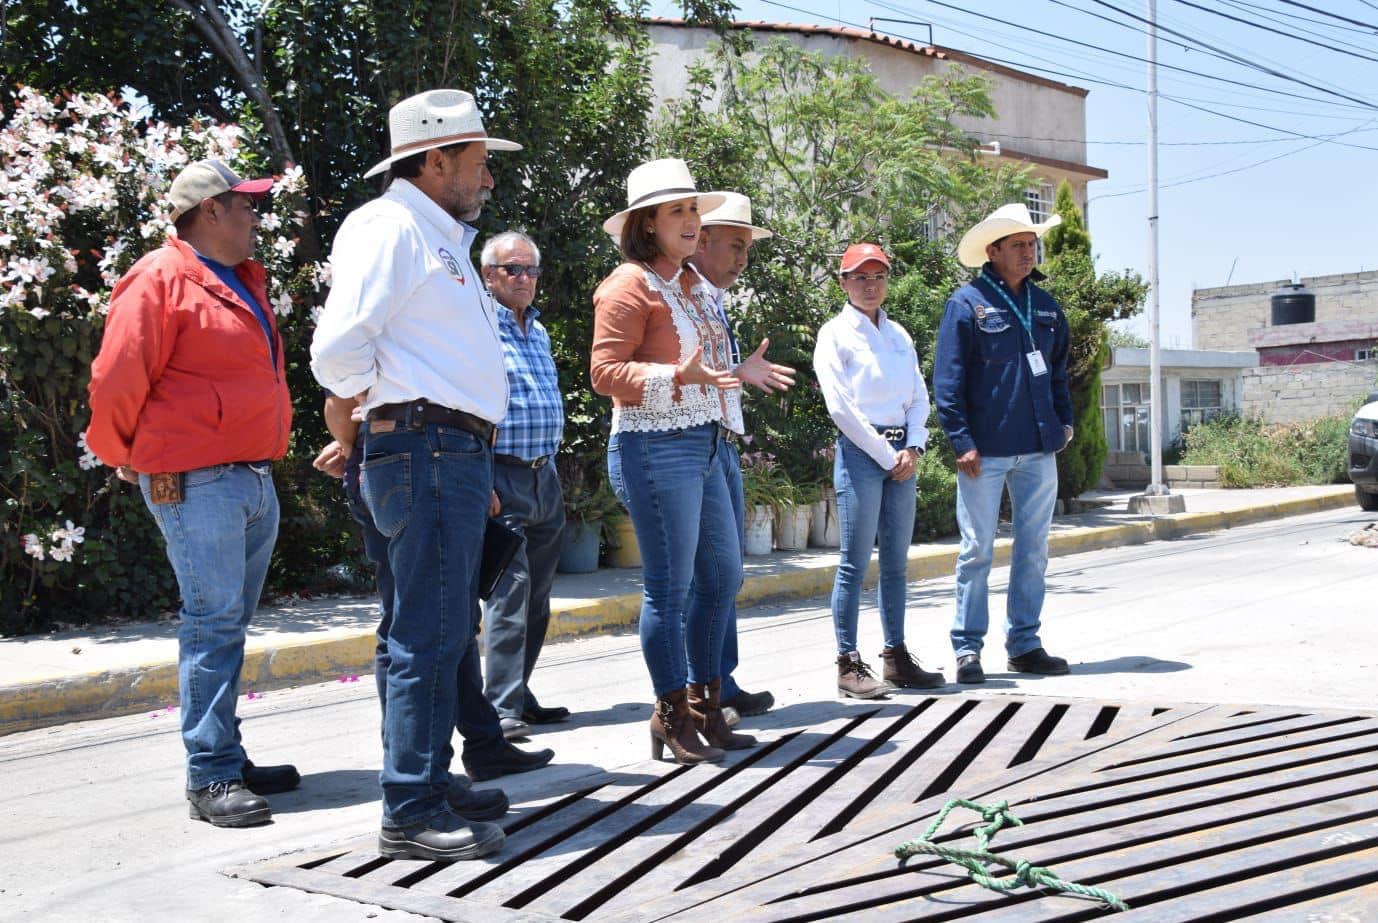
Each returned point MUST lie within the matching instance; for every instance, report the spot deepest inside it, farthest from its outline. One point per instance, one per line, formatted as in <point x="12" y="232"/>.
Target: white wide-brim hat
<point x="734" y="212"/>
<point x="1004" y="221"/>
<point x="658" y="181"/>
<point x="435" y="118"/>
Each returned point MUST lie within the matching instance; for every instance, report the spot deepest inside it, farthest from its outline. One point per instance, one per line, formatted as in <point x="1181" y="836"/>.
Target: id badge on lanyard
<point x="1037" y="365"/>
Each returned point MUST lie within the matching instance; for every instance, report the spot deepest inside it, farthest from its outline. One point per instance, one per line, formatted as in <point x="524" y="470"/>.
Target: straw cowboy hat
<point x="735" y="212"/>
<point x="660" y="181"/>
<point x="1004" y="221"/>
<point x="435" y="118"/>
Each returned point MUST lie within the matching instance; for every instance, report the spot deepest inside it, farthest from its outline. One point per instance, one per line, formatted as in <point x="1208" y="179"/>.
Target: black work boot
<point x="444" y="838"/>
<point x="269" y="780"/>
<point x="228" y="804"/>
<point x="473" y="803"/>
<point x="903" y="671"/>
<point x="969" y="670"/>
<point x="1039" y="662"/>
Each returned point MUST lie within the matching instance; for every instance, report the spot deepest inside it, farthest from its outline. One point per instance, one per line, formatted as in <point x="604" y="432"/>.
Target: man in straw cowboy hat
<point x="726" y="236"/>
<point x="189" y="401"/>
<point x="409" y="331"/>
<point x="1000" y="383"/>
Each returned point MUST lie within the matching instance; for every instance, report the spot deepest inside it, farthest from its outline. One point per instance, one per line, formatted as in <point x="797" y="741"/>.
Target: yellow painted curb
<point x="154" y="685"/>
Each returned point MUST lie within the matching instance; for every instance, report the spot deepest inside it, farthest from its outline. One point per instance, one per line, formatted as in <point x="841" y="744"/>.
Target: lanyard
<point x="1026" y="316"/>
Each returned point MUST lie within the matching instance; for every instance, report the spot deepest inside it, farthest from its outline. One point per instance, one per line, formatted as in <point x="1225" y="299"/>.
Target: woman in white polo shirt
<point x="870" y="378"/>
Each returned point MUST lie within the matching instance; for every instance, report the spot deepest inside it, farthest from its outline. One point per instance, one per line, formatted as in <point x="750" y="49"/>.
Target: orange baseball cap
<point x="857" y="254"/>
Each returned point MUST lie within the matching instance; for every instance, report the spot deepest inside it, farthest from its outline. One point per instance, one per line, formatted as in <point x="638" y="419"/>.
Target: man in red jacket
<point x="189" y="400"/>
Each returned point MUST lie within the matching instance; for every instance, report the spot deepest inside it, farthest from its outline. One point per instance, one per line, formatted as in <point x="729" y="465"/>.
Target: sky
<point x="1238" y="202"/>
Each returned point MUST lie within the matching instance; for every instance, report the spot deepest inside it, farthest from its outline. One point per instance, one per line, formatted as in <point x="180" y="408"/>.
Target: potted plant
<point x="793" y="512"/>
<point x="763" y="485"/>
<point x="825" y="529"/>
<point x="623" y="550"/>
<point x="589" y="504"/>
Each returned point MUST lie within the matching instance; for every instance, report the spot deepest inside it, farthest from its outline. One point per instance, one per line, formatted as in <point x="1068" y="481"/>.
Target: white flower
<point x="30" y="270"/>
<point x="285" y="246"/>
<point x="292" y="180"/>
<point x="88" y="459"/>
<point x="61" y="552"/>
<point x="282" y="304"/>
<point x="70" y="533"/>
<point x="40" y="312"/>
<point x="33" y="546"/>
<point x="270" y="222"/>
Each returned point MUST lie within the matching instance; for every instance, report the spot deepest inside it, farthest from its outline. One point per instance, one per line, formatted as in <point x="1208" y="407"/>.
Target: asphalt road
<point x="96" y="829"/>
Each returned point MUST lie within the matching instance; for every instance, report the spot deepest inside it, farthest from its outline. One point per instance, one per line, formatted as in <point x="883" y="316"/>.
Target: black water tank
<point x="1293" y="304"/>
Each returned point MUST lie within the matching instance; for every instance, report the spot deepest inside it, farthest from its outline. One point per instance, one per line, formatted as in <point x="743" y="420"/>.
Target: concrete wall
<point x="1028" y="108"/>
<point x="1221" y="318"/>
<point x="1283" y="394"/>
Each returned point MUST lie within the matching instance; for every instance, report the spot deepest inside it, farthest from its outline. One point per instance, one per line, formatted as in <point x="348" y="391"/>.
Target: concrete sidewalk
<point x="123" y="669"/>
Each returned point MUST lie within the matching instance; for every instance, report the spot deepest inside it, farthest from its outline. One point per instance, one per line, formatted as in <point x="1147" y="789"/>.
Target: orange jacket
<point x="184" y="378"/>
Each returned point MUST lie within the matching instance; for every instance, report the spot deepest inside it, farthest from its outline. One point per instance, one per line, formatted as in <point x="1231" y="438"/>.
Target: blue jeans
<point x="1032" y="482"/>
<point x="219" y="539"/>
<point x="427" y="488"/>
<point x="517" y="615"/>
<point x="732" y="470"/>
<point x="477" y="722"/>
<point x="675" y="487"/>
<point x="870" y="504"/>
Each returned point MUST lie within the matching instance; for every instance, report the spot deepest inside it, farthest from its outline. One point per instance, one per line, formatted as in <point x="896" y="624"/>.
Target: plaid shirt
<point x="535" y="420"/>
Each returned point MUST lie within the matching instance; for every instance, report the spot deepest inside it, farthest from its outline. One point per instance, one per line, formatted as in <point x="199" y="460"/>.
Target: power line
<point x="1249" y="22"/>
<point x="1245" y="62"/>
<point x="996" y="134"/>
<point x="1122" y="54"/>
<point x="1366" y="25"/>
<point x="1245" y="6"/>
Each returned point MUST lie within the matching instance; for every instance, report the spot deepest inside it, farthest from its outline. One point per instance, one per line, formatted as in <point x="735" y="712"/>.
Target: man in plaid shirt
<point x="517" y="614"/>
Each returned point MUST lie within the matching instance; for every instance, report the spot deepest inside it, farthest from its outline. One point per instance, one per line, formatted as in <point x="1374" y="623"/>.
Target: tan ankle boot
<point x="855" y="679"/>
<point x="705" y="704"/>
<point x="673" y="726"/>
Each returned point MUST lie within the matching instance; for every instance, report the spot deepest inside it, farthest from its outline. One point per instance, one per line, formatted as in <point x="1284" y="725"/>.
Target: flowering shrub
<point x="81" y="198"/>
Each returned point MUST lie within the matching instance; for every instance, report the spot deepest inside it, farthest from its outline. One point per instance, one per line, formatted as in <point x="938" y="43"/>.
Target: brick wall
<point x="1221" y="318"/>
<point x="1289" y="394"/>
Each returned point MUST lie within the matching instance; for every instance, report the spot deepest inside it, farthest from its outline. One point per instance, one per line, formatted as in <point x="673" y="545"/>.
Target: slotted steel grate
<point x="1188" y="812"/>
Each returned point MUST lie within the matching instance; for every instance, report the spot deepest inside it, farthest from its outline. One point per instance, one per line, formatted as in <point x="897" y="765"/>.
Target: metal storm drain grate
<point x="1196" y="813"/>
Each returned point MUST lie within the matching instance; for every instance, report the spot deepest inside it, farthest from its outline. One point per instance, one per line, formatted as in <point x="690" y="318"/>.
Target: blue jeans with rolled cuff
<point x="871" y="505"/>
<point x="674" y="485"/>
<point x="1032" y="483"/>
<point x="427" y="487"/>
<point x="219" y="538"/>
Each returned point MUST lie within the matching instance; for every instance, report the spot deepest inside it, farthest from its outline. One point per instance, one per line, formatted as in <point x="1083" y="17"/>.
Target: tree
<point x="1090" y="301"/>
<point x="828" y="158"/>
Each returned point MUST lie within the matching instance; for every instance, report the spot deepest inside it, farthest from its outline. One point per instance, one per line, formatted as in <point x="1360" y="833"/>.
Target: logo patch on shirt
<point x="451" y="264"/>
<point x="1051" y="315"/>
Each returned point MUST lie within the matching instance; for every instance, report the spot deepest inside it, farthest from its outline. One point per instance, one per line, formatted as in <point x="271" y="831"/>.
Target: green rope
<point x="978" y="861"/>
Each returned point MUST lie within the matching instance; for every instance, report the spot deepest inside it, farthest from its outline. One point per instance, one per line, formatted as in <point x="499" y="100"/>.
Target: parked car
<point x="1363" y="454"/>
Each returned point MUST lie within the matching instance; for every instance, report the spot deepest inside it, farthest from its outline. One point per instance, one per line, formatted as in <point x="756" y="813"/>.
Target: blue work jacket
<point x="987" y="396"/>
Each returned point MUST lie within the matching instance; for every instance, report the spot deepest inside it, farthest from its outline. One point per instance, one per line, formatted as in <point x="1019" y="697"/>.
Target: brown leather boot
<point x="855" y="679"/>
<point x="903" y="671"/>
<point x="673" y="726"/>
<point x="705" y="704"/>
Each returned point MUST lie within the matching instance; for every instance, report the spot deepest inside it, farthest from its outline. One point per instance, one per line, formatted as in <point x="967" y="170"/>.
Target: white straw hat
<point x="1004" y="221"/>
<point x="735" y="212"/>
<point x="660" y="181"/>
<point x="435" y="118"/>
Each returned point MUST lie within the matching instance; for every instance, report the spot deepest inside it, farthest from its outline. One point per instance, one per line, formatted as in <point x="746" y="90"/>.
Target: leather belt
<point x="729" y="436"/>
<point x="518" y="462"/>
<point x="417" y="414"/>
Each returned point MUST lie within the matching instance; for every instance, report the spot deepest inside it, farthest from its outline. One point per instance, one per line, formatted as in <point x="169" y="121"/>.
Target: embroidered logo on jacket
<point x="451" y="264"/>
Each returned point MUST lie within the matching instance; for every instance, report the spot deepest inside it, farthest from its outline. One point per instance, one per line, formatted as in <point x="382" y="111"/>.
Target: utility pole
<point x="1156" y="498"/>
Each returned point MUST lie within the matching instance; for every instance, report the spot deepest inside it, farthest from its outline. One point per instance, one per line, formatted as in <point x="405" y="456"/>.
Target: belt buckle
<point x="892" y="433"/>
<point x="539" y="462"/>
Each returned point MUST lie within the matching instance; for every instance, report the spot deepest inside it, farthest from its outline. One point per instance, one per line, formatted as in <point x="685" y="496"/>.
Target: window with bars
<point x="1039" y="199"/>
<point x="1202" y="400"/>
<point x="1125" y="408"/>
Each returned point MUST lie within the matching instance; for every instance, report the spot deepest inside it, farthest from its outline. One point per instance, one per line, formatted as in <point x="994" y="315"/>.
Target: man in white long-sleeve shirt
<point x="409" y="331"/>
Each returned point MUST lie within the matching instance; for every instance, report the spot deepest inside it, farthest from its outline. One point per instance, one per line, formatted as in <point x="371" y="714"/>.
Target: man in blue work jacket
<point x="1000" y="384"/>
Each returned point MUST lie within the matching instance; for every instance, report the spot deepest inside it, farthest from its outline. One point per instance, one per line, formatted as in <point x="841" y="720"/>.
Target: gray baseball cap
<point x="208" y="178"/>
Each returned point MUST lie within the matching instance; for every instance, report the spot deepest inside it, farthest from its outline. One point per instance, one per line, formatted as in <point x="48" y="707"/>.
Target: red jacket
<point x="184" y="378"/>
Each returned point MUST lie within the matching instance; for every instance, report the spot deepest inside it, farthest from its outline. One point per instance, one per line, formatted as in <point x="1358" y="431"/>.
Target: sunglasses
<point x="516" y="270"/>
